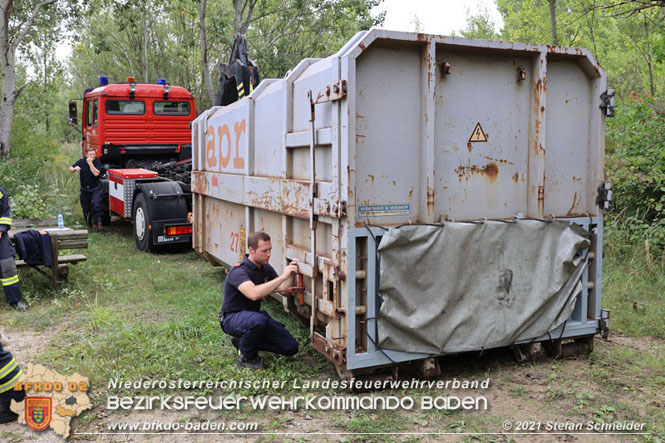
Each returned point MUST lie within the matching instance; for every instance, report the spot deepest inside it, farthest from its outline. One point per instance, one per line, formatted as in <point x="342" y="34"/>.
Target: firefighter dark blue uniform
<point x="91" y="191"/>
<point x="243" y="318"/>
<point x="9" y="375"/>
<point x="8" y="273"/>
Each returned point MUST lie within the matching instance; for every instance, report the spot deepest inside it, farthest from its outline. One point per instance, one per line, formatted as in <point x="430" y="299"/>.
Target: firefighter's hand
<point x="74" y="168"/>
<point x="291" y="269"/>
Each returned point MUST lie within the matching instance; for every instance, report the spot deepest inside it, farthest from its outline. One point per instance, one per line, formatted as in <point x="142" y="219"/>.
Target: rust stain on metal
<point x="571" y="211"/>
<point x="430" y="199"/>
<point x="577" y="179"/>
<point x="362" y="46"/>
<point x="490" y="170"/>
<point x="542" y="109"/>
<point x="541" y="200"/>
<point x="469" y="146"/>
<point x="498" y="160"/>
<point x="516" y="177"/>
<point x="411" y="194"/>
<point x="371" y="177"/>
<point x="215" y="181"/>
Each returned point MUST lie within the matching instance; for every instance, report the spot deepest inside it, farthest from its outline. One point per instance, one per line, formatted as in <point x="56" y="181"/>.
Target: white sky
<point x="435" y="16"/>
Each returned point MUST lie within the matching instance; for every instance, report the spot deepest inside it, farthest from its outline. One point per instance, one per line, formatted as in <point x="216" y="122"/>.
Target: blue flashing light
<point x="103" y="80"/>
<point x="161" y="81"/>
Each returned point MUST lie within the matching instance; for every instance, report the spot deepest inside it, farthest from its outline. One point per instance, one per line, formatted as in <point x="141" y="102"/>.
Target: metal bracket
<point x="608" y="104"/>
<point x="335" y="91"/>
<point x="604" y="323"/>
<point x="604" y="198"/>
<point x="330" y="208"/>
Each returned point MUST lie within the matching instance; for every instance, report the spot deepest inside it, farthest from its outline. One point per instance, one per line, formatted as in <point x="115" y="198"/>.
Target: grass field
<point x="129" y="315"/>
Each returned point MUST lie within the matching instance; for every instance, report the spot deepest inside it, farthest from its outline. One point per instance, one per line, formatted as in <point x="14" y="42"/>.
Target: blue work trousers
<point x="259" y="332"/>
<point x="91" y="200"/>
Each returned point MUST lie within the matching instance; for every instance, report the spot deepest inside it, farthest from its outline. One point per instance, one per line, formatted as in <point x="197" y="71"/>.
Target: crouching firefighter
<point x="9" y="375"/>
<point x="247" y="283"/>
<point x="8" y="273"/>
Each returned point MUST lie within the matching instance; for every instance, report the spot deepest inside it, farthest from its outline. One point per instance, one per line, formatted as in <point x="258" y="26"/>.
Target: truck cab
<point x="133" y="124"/>
<point x="142" y="136"/>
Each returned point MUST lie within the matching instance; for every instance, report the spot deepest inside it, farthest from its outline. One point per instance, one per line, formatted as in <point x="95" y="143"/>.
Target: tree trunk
<point x="8" y="45"/>
<point x="244" y="11"/>
<point x="652" y="87"/>
<point x="9" y="94"/>
<point x="555" y="38"/>
<point x="207" y="80"/>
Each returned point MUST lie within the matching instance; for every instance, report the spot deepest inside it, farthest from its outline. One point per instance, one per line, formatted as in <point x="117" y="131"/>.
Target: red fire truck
<point x="143" y="138"/>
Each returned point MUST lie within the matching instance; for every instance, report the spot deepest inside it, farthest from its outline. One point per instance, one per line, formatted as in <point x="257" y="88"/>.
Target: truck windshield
<point x="125" y="107"/>
<point x="171" y="108"/>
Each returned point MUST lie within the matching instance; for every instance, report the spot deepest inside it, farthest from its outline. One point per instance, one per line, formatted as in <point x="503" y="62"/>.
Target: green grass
<point x="155" y="316"/>
<point x="132" y="315"/>
<point x="633" y="289"/>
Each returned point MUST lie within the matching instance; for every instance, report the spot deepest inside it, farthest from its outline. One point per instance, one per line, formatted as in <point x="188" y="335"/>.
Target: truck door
<point x="90" y="134"/>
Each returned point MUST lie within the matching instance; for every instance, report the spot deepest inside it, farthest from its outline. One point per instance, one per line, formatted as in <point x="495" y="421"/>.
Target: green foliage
<point x="35" y="176"/>
<point x="625" y="41"/>
<point x="155" y="39"/>
<point x="480" y="25"/>
<point x="636" y="166"/>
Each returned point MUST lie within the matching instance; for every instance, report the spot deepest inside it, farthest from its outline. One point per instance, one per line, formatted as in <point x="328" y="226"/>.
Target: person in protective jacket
<point x="9" y="375"/>
<point x="8" y="273"/>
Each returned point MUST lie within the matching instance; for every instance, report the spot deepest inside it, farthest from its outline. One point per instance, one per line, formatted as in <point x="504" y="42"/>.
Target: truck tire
<point x="141" y="220"/>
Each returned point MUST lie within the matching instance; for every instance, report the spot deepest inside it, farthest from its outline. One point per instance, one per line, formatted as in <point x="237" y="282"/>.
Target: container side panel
<point x="314" y="78"/>
<point x="387" y="144"/>
<point x="271" y="223"/>
<point x="224" y="222"/>
<point x="268" y="135"/>
<point x="301" y="163"/>
<point x="482" y="129"/>
<point x="226" y="139"/>
<point x="567" y="140"/>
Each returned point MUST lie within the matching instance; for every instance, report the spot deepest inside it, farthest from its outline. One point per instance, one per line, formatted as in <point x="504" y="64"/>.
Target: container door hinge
<point x="604" y="199"/>
<point x="329" y="93"/>
<point x="608" y="102"/>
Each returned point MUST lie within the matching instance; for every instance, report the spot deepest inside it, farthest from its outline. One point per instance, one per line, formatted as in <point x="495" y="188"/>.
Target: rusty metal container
<point x="399" y="128"/>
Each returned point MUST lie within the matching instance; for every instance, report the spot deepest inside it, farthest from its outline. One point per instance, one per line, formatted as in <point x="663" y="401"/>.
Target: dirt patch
<point x="541" y="392"/>
<point x="25" y="345"/>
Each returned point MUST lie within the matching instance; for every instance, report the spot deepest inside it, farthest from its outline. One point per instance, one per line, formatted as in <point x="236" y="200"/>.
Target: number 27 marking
<point x="235" y="237"/>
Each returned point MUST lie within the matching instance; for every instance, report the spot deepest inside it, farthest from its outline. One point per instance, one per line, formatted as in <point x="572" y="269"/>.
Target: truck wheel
<point x="141" y="219"/>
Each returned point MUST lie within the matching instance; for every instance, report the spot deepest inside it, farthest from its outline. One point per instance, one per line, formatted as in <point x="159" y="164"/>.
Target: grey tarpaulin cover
<point x="463" y="287"/>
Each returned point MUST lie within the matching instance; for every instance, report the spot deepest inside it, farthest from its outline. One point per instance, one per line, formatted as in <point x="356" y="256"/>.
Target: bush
<point x="35" y="174"/>
<point x="635" y="160"/>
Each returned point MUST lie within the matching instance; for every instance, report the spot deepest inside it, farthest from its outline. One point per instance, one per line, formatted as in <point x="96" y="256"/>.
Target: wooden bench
<point x="61" y="240"/>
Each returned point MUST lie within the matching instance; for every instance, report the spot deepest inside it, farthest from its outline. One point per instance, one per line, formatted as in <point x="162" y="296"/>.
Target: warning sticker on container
<point x="383" y="210"/>
<point x="478" y="135"/>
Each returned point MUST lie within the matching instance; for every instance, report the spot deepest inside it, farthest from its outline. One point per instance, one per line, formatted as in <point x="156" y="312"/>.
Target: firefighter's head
<point x="260" y="247"/>
<point x="91" y="153"/>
